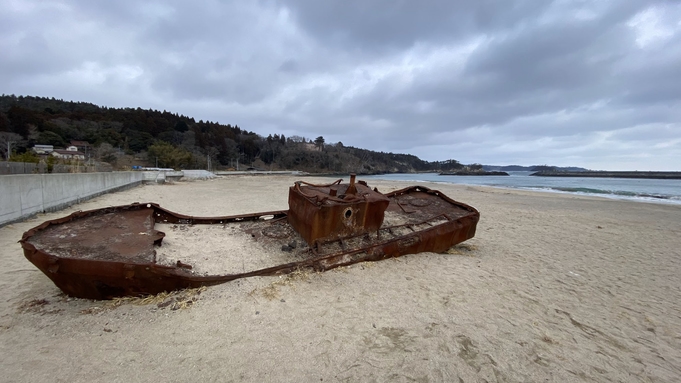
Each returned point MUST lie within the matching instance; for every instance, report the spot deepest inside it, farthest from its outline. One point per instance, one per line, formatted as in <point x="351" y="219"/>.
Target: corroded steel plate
<point x="322" y="212"/>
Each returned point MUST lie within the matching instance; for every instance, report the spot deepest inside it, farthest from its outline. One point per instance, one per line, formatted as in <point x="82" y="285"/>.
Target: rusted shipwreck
<point x="112" y="252"/>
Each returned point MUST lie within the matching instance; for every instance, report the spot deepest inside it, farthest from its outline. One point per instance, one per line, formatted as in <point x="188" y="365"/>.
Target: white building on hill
<point x="43" y="149"/>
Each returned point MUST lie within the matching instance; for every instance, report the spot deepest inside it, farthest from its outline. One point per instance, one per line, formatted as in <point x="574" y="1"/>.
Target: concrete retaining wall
<point x="24" y="195"/>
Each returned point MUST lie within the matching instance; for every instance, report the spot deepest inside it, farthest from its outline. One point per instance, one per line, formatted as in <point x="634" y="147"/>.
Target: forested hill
<point x="181" y="142"/>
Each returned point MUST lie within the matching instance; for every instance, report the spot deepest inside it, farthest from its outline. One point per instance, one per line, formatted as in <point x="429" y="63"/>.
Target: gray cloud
<point x="594" y="84"/>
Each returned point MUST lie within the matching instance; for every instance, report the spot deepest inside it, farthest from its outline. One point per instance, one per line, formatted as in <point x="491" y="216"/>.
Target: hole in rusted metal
<point x="348" y="213"/>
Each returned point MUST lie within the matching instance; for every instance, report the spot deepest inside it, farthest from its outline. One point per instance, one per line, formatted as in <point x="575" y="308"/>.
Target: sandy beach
<point x="553" y="288"/>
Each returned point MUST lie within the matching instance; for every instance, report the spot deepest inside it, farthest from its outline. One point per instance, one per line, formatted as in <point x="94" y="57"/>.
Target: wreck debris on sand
<point x="111" y="252"/>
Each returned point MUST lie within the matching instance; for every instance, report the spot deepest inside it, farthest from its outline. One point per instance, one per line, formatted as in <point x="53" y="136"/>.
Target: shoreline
<point x="556" y="287"/>
<point x="610" y="190"/>
<point x="612" y="174"/>
<point x="653" y="199"/>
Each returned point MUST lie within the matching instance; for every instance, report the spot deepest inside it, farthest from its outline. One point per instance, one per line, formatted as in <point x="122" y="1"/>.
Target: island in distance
<point x="454" y="168"/>
<point x="571" y="171"/>
<point x="457" y="169"/>
<point x="474" y="173"/>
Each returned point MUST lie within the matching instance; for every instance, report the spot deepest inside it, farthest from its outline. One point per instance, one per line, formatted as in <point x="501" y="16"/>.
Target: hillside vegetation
<point x="166" y="139"/>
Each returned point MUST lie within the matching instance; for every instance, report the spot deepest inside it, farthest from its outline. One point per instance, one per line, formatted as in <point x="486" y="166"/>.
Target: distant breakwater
<point x="606" y="174"/>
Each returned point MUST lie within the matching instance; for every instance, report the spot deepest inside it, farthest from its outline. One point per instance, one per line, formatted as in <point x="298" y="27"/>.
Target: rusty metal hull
<point x="324" y="212"/>
<point x="110" y="252"/>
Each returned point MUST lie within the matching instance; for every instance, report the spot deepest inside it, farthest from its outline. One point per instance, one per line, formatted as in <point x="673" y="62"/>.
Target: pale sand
<point x="553" y="288"/>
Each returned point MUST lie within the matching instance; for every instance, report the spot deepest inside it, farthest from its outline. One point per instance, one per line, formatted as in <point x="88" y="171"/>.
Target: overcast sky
<point x="584" y="83"/>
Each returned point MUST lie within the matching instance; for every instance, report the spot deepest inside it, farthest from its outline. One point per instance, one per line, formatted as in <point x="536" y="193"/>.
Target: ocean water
<point x="642" y="190"/>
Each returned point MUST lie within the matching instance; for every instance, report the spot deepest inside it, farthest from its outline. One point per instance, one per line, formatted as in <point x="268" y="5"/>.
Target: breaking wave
<point x="641" y="190"/>
<point x="616" y="194"/>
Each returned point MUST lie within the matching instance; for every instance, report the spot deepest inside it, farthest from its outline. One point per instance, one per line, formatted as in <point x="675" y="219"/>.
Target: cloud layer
<point x="585" y="83"/>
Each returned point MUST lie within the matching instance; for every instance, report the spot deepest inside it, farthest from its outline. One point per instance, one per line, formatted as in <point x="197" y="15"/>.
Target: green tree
<point x="319" y="142"/>
<point x="181" y="126"/>
<point x="168" y="156"/>
<point x="137" y="140"/>
<point x="51" y="138"/>
<point x="51" y="160"/>
<point x="27" y="156"/>
<point x="20" y="118"/>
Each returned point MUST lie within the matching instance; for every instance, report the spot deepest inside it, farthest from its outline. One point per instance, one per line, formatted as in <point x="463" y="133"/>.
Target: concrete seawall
<point x="24" y="195"/>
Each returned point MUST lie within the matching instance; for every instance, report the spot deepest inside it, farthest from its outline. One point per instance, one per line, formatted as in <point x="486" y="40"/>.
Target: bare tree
<point x="296" y="139"/>
<point x="106" y="153"/>
<point x="7" y="140"/>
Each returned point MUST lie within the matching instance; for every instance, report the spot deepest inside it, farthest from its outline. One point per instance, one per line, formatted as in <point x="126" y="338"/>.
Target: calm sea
<point x="644" y="190"/>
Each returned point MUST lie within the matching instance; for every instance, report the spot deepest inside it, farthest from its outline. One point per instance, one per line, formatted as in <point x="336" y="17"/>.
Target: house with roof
<point x="71" y="153"/>
<point x="81" y="146"/>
